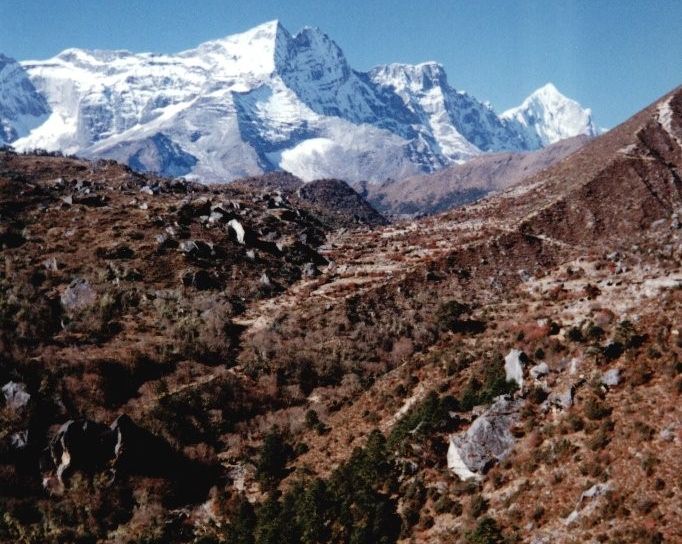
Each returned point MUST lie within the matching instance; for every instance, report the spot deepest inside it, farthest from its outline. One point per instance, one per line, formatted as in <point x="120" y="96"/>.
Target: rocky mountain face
<point x="461" y="184"/>
<point x="223" y="363"/>
<point x="22" y="108"/>
<point x="266" y="100"/>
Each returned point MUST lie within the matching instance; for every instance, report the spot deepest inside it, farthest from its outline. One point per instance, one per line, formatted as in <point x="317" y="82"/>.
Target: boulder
<point x="51" y="264"/>
<point x="121" y="448"/>
<point x="16" y="396"/>
<point x="574" y="365"/>
<point x="19" y="439"/>
<point x="562" y="398"/>
<point x="611" y="377"/>
<point x="215" y="217"/>
<point x="78" y="295"/>
<point x="118" y="251"/>
<point x="10" y="237"/>
<point x="196" y="249"/>
<point x="309" y="270"/>
<point x="164" y="242"/>
<point x="300" y="252"/>
<point x="539" y="370"/>
<point x="513" y="366"/>
<point x="488" y="440"/>
<point x="587" y="502"/>
<point x="77" y="445"/>
<point x="239" y="233"/>
<point x="199" y="279"/>
<point x="192" y="209"/>
<point x="265" y="280"/>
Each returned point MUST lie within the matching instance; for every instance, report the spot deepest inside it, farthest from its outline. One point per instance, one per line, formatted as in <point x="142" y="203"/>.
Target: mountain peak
<point x="547" y="116"/>
<point x="549" y="95"/>
<point x="254" y="51"/>
<point x="547" y="89"/>
<point x="269" y="28"/>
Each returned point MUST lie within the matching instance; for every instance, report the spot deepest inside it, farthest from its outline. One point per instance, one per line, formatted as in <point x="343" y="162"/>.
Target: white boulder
<point x="562" y="398"/>
<point x="16" y="396"/>
<point x="587" y="502"/>
<point x="78" y="295"/>
<point x="238" y="229"/>
<point x="513" y="367"/>
<point x="611" y="377"/>
<point x="539" y="370"/>
<point x="487" y="441"/>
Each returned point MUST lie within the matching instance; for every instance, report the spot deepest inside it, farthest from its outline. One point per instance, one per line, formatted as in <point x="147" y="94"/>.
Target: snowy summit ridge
<point x="547" y="116"/>
<point x="264" y="100"/>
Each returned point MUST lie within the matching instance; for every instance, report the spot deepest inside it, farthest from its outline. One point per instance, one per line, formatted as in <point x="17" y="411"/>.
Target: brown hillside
<point x="256" y="361"/>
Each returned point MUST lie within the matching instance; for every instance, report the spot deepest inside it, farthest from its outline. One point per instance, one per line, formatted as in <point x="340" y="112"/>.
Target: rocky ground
<point x="505" y="372"/>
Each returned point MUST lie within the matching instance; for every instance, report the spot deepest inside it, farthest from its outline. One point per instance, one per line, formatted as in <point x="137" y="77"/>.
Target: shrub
<point x="241" y="529"/>
<point x="494" y="385"/>
<point x="627" y="335"/>
<point x="478" y="506"/>
<point x="596" y="409"/>
<point x="599" y="441"/>
<point x="575" y="334"/>
<point x="449" y="314"/>
<point x="575" y="422"/>
<point x="445" y="505"/>
<point x="429" y="416"/>
<point x="450" y="317"/>
<point x="595" y="332"/>
<point x="272" y="460"/>
<point x="487" y="531"/>
<point x="613" y="350"/>
<point x="312" y="420"/>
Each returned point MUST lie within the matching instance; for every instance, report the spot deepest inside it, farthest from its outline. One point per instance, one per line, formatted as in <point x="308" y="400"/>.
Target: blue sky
<point x="614" y="56"/>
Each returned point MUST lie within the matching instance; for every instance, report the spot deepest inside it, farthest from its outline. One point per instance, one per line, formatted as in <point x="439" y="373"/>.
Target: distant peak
<point x="268" y="31"/>
<point x="269" y="26"/>
<point x="547" y="88"/>
<point x="312" y="34"/>
<point x="548" y="116"/>
<point x="548" y="93"/>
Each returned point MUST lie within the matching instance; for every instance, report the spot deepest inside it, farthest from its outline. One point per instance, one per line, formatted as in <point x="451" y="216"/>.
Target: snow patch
<point x="665" y="118"/>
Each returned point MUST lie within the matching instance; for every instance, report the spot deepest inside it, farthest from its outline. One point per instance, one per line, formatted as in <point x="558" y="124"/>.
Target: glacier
<point x="265" y="100"/>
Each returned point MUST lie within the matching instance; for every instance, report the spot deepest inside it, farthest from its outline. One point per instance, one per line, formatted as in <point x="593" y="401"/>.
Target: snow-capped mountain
<point x="258" y="101"/>
<point x="21" y="107"/>
<point x="547" y="116"/>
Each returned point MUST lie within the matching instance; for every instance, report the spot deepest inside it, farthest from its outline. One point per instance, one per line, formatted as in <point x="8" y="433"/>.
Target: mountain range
<point x="266" y="100"/>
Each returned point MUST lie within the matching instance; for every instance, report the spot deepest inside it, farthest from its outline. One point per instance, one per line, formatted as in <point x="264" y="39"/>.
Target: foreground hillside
<point x="251" y="372"/>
